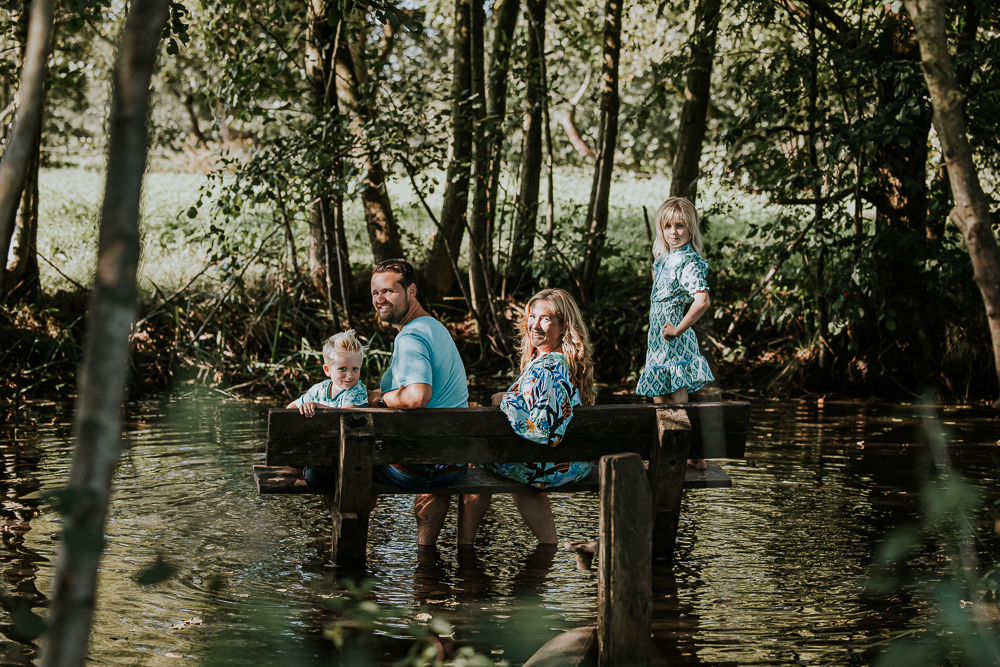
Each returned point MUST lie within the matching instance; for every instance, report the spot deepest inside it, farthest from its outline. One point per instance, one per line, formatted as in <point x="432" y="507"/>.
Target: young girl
<point x="674" y="366"/>
<point x="342" y="366"/>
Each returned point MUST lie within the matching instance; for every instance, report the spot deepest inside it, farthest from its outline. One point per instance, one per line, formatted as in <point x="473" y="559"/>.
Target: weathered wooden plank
<point x="484" y="436"/>
<point x="287" y="480"/>
<point x="352" y="496"/>
<point x="667" y="467"/>
<point x="624" y="589"/>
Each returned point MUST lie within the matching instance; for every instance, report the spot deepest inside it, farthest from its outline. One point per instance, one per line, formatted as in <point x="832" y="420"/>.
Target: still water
<point x="774" y="570"/>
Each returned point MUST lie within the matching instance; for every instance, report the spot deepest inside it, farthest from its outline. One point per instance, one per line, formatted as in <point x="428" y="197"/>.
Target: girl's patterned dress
<point x="676" y="363"/>
<point x="539" y="405"/>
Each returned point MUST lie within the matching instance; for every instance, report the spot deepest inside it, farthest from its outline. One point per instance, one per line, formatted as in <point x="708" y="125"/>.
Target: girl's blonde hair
<point x="575" y="341"/>
<point x="345" y="342"/>
<point x="672" y="209"/>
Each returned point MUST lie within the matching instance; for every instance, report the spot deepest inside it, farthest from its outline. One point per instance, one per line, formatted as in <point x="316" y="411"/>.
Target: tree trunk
<point x="480" y="264"/>
<point x="597" y="211"/>
<point x="97" y="424"/>
<point x="329" y="261"/>
<point x="484" y="206"/>
<point x="519" y="265"/>
<point x="352" y="73"/>
<point x="25" y="131"/>
<point x="437" y="270"/>
<point x="694" y="113"/>
<point x="22" y="280"/>
<point x="972" y="207"/>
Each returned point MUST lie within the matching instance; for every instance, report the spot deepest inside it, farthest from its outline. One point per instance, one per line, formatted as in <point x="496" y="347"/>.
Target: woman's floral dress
<point x="539" y="406"/>
<point x="676" y="363"/>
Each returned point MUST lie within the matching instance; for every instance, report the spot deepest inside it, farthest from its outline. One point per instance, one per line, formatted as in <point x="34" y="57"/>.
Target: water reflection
<point x="771" y="571"/>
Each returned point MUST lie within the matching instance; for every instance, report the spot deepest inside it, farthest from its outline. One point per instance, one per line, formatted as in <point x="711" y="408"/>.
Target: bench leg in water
<point x="667" y="467"/>
<point x="625" y="581"/>
<point x="350" y="503"/>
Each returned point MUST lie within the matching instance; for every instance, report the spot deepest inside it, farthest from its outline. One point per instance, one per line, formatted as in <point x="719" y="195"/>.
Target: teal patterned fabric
<point x="320" y="393"/>
<point x="677" y="363"/>
<point x="539" y="407"/>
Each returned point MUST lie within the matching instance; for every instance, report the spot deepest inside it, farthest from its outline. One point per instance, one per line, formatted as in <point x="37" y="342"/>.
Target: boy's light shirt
<point x="320" y="393"/>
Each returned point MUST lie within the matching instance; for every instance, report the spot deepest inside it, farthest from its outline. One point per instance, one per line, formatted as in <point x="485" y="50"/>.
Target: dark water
<point x="772" y="571"/>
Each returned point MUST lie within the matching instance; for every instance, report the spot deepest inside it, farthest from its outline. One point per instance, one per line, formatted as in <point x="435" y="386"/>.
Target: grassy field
<point x="176" y="248"/>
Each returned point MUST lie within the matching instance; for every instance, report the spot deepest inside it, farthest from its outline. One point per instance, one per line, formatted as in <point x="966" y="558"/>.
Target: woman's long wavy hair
<point x="575" y="341"/>
<point x="673" y="209"/>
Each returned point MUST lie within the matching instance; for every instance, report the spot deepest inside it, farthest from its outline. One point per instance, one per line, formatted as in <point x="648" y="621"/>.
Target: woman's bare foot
<point x="698" y="464"/>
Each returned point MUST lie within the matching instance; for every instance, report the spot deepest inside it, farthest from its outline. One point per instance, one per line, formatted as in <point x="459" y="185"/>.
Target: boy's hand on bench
<point x="309" y="409"/>
<point x="497" y="398"/>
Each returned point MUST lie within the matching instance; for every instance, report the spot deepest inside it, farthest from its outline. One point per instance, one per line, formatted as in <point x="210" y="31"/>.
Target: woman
<point x="556" y="374"/>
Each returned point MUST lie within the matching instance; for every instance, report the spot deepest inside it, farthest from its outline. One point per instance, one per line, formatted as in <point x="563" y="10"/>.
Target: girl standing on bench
<point x="557" y="373"/>
<point x="674" y="365"/>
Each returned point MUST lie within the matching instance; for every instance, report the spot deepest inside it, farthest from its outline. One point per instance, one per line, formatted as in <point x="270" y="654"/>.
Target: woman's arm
<point x="694" y="313"/>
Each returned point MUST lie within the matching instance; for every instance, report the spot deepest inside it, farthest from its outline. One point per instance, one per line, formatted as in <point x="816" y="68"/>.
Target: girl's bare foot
<point x="698" y="464"/>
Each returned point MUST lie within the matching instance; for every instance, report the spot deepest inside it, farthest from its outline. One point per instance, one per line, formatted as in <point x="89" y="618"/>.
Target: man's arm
<point x="416" y="395"/>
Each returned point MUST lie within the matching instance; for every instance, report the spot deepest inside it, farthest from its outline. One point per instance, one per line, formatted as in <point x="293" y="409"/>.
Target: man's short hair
<point x="407" y="275"/>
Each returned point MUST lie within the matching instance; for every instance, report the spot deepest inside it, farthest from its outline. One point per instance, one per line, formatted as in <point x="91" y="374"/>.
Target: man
<point x="425" y="371"/>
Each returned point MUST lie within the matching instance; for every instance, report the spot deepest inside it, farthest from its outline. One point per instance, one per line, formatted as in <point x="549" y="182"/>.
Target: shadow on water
<point x="769" y="572"/>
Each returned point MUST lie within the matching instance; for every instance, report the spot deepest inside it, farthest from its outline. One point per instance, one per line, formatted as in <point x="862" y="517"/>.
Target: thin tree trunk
<point x="496" y="112"/>
<point x="519" y="266"/>
<point x="600" y="192"/>
<point x="694" y="113"/>
<point x="822" y="307"/>
<point x="327" y="244"/>
<point x="437" y="271"/>
<point x="24" y="133"/>
<point x="479" y="262"/>
<point x="22" y="280"/>
<point x="97" y="424"/>
<point x="351" y="73"/>
<point x="972" y="207"/>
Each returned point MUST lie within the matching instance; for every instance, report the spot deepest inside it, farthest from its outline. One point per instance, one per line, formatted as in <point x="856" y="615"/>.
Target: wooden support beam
<point x="667" y="468"/>
<point x="350" y="504"/>
<point x="624" y="590"/>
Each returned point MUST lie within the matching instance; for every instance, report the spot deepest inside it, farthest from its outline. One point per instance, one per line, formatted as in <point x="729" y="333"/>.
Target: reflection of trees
<point x="18" y="564"/>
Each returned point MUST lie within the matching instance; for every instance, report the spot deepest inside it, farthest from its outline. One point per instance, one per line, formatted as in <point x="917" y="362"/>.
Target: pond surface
<point x="772" y="571"/>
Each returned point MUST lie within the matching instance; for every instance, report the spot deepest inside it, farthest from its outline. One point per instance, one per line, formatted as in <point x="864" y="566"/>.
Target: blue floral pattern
<point x="321" y="393"/>
<point x="676" y="363"/>
<point x="539" y="406"/>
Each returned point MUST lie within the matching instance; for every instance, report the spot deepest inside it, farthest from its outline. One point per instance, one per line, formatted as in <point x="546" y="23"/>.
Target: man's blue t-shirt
<point x="424" y="353"/>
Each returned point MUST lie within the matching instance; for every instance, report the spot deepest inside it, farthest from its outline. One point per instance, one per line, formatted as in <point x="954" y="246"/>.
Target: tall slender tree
<point x="519" y="265"/>
<point x="22" y="146"/>
<point x="97" y="424"/>
<point x="437" y="270"/>
<point x="607" y="140"/>
<point x="697" y="95"/>
<point x="329" y="260"/>
<point x="972" y="207"/>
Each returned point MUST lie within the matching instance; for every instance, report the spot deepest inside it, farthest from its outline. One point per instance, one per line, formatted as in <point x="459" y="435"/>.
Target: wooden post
<point x="350" y="503"/>
<point x="667" y="466"/>
<point x="624" y="590"/>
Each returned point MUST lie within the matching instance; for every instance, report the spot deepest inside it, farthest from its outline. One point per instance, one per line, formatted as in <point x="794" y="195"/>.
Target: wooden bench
<point x="355" y="440"/>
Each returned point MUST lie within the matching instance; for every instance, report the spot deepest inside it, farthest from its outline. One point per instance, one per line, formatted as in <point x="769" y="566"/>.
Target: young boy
<point x="342" y="365"/>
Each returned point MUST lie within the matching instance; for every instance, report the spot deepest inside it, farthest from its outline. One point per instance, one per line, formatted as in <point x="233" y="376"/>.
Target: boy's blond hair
<point x="345" y="342"/>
